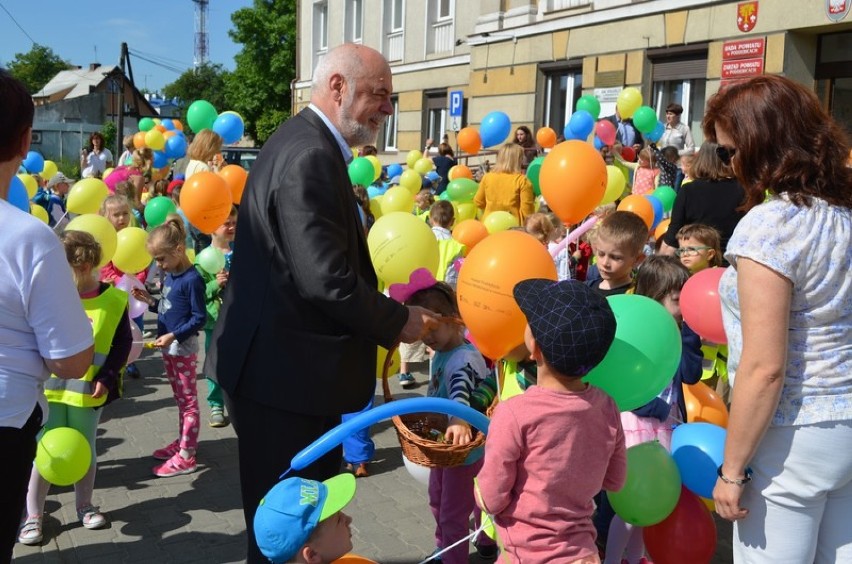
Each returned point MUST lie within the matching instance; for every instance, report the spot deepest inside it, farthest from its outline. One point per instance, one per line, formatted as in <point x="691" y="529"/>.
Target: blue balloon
<point x="334" y="437"/>
<point x="657" y="133"/>
<point x="374" y="191"/>
<point x="160" y="159"/>
<point x="18" y="196"/>
<point x="494" y="129"/>
<point x="34" y="162"/>
<point x="658" y="209"/>
<point x="598" y="143"/>
<point x="569" y="134"/>
<point x="168" y="124"/>
<point x="394" y="169"/>
<point x="175" y="147"/>
<point x="698" y="450"/>
<point x="230" y="127"/>
<point x="581" y="123"/>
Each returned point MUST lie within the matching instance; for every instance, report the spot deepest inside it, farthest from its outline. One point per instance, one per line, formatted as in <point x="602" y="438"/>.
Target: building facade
<point x="533" y="59"/>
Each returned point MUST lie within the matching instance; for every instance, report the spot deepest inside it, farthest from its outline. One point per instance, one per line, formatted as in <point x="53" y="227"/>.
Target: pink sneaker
<point x="167" y="451"/>
<point x="175" y="466"/>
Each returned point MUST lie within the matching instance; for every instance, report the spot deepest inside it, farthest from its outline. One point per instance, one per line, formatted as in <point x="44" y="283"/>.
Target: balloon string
<point x="437" y="555"/>
<point x="574" y="235"/>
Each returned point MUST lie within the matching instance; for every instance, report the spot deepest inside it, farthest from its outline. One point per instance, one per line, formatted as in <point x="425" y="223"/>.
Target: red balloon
<point x="628" y="154"/>
<point x="605" y="131"/>
<point x="701" y="307"/>
<point x="688" y="534"/>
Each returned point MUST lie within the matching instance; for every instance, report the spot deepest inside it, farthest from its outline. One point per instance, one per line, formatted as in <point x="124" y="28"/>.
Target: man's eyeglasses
<point x="690" y="251"/>
<point x="725" y="154"/>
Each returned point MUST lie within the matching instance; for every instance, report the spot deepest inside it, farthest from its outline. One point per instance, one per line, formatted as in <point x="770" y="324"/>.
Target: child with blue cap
<point x="301" y="520"/>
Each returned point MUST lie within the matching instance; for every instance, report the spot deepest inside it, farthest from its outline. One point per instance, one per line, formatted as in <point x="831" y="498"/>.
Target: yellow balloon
<point x="101" y="229"/>
<point x="154" y="139"/>
<point x="107" y="172"/>
<point x="145" y="197"/>
<point x="411" y="180"/>
<point x="397" y="199"/>
<point x="615" y="184"/>
<point x="708" y="503"/>
<point x="87" y="195"/>
<point x="190" y="254"/>
<point x="39" y="212"/>
<point x="466" y="210"/>
<point x="628" y="102"/>
<point x="131" y="256"/>
<point x="423" y="165"/>
<point x="376" y="207"/>
<point x="381" y="355"/>
<point x="49" y="171"/>
<point x="500" y="221"/>
<point x="377" y="166"/>
<point x="413" y="157"/>
<point x="29" y="183"/>
<point x="400" y="243"/>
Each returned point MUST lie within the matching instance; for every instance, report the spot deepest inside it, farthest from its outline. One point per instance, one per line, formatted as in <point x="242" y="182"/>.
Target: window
<point x="834" y="76"/>
<point x="394" y="35"/>
<point x="354" y="21"/>
<point x="690" y="94"/>
<point x="435" y="117"/>
<point x="321" y="26"/>
<point x="439" y="27"/>
<point x="387" y="135"/>
<point x="445" y="9"/>
<point x="562" y="89"/>
<point x="396" y="19"/>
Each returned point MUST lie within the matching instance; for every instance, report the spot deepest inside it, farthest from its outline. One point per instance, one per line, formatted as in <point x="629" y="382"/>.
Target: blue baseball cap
<point x="572" y="323"/>
<point x="292" y="509"/>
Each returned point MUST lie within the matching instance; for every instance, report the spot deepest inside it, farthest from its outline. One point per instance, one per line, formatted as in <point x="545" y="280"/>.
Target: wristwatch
<point x="740" y="482"/>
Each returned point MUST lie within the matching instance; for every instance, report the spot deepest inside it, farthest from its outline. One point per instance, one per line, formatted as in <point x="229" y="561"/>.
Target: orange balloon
<point x="206" y="201"/>
<point x="469" y="232"/>
<point x="169" y="133"/>
<point x="160" y="173"/>
<point x="662" y="228"/>
<point x="704" y="405"/>
<point x="638" y="205"/>
<point x="235" y="177"/>
<point x="460" y="171"/>
<point x="353" y="559"/>
<point x="485" y="286"/>
<point x="469" y="140"/>
<point x="177" y="124"/>
<point x="160" y="128"/>
<point x="546" y="137"/>
<point x="573" y="180"/>
<point x="139" y="139"/>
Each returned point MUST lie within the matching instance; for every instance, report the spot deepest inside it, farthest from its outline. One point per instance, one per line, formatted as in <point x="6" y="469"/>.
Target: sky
<point x="160" y="30"/>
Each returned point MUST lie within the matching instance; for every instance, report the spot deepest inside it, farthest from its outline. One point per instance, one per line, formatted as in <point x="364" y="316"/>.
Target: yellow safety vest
<point x="715" y="360"/>
<point x="104" y="313"/>
<point x="448" y="250"/>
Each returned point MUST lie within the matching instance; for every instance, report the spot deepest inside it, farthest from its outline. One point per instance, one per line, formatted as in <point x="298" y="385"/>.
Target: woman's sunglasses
<point x="725" y="154"/>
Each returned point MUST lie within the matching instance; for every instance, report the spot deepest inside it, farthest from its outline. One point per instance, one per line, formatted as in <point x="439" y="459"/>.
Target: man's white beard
<point x="355" y="133"/>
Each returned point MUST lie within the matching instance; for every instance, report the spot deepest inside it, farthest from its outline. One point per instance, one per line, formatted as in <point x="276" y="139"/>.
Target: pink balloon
<point x="136" y="346"/>
<point x="126" y="283"/>
<point x="605" y="131"/>
<point x="701" y="306"/>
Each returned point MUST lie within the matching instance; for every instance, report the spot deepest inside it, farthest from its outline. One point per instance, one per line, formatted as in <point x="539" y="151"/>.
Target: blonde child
<point x="441" y="219"/>
<point x="423" y="202"/>
<point x="202" y="153"/>
<point x="214" y="283"/>
<point x="456" y="369"/>
<point x="181" y="314"/>
<point x="560" y="431"/>
<point x="618" y="244"/>
<point x="661" y="278"/>
<point x="699" y="247"/>
<point x="77" y="403"/>
<point x="539" y="226"/>
<point x="645" y="172"/>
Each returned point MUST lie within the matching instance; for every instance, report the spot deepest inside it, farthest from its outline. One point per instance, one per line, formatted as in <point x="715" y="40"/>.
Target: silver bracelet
<point x="740" y="482"/>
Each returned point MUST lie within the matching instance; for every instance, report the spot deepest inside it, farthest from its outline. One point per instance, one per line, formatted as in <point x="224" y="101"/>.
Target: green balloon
<point x="361" y="171"/>
<point x="643" y="357"/>
<point x="533" y="172"/>
<point x="652" y="488"/>
<point x="200" y="115"/>
<point x="645" y="119"/>
<point x="157" y="209"/>
<point x="444" y="196"/>
<point x="63" y="456"/>
<point x="666" y="195"/>
<point x="589" y="103"/>
<point x="462" y="189"/>
<point x="146" y="124"/>
<point x="211" y="260"/>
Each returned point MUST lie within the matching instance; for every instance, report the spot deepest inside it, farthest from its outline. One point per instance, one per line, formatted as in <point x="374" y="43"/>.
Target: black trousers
<point x="18" y="447"/>
<point x="268" y="439"/>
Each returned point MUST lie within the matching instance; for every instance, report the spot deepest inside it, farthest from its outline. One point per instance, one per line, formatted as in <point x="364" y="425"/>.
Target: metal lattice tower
<point x="202" y="41"/>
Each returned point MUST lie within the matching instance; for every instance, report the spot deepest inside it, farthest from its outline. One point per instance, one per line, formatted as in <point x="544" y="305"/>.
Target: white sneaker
<point x="31" y="531"/>
<point x="91" y="517"/>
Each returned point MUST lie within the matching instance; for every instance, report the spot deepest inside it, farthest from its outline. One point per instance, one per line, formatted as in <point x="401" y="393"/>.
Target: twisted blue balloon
<point x="334" y="437"/>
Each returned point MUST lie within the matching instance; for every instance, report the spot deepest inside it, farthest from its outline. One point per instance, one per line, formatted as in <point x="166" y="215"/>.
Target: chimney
<point x="94" y="66"/>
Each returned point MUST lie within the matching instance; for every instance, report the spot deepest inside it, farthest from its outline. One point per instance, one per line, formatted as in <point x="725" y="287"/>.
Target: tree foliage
<point x="259" y="87"/>
<point x="36" y="67"/>
<point x="205" y="83"/>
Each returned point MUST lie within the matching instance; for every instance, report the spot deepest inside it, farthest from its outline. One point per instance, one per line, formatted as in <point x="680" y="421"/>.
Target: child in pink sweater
<point x="552" y="448"/>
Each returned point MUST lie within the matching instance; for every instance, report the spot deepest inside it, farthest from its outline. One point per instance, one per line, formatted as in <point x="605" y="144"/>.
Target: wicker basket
<point x="419" y="449"/>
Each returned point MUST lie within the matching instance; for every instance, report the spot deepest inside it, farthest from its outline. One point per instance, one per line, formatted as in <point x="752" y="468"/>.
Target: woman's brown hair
<point x="784" y="140"/>
<point x="707" y="165"/>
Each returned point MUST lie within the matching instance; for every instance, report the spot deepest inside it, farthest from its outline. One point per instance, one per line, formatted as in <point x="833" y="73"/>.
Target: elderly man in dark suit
<point x="295" y="344"/>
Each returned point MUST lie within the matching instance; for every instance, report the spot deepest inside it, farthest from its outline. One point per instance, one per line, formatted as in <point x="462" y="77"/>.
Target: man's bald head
<point x="351" y="61"/>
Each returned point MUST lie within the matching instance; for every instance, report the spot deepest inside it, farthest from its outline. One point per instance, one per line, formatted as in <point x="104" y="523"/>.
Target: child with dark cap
<point x="552" y="448"/>
<point x="301" y="520"/>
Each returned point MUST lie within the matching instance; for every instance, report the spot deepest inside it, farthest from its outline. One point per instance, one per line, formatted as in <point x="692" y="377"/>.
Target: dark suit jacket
<point x="301" y="315"/>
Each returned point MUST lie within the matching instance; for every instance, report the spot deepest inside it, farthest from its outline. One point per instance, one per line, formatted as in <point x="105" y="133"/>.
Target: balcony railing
<point x="442" y="37"/>
<point x="395" y="41"/>
<point x="567" y="4"/>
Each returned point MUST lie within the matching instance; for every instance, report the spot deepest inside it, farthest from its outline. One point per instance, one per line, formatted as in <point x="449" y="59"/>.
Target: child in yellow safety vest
<point x="77" y="403"/>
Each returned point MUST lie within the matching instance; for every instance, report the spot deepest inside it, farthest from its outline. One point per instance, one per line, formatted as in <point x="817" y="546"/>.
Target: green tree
<point x="36" y="67"/>
<point x="205" y="83"/>
<point x="259" y="87"/>
<point x="108" y="130"/>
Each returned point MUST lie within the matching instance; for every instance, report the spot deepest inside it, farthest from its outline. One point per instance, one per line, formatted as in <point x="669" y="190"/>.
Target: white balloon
<point x="136" y="346"/>
<point x="419" y="473"/>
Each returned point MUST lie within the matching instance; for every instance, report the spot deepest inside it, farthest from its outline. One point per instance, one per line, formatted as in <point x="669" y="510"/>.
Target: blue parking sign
<point x="456" y="103"/>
